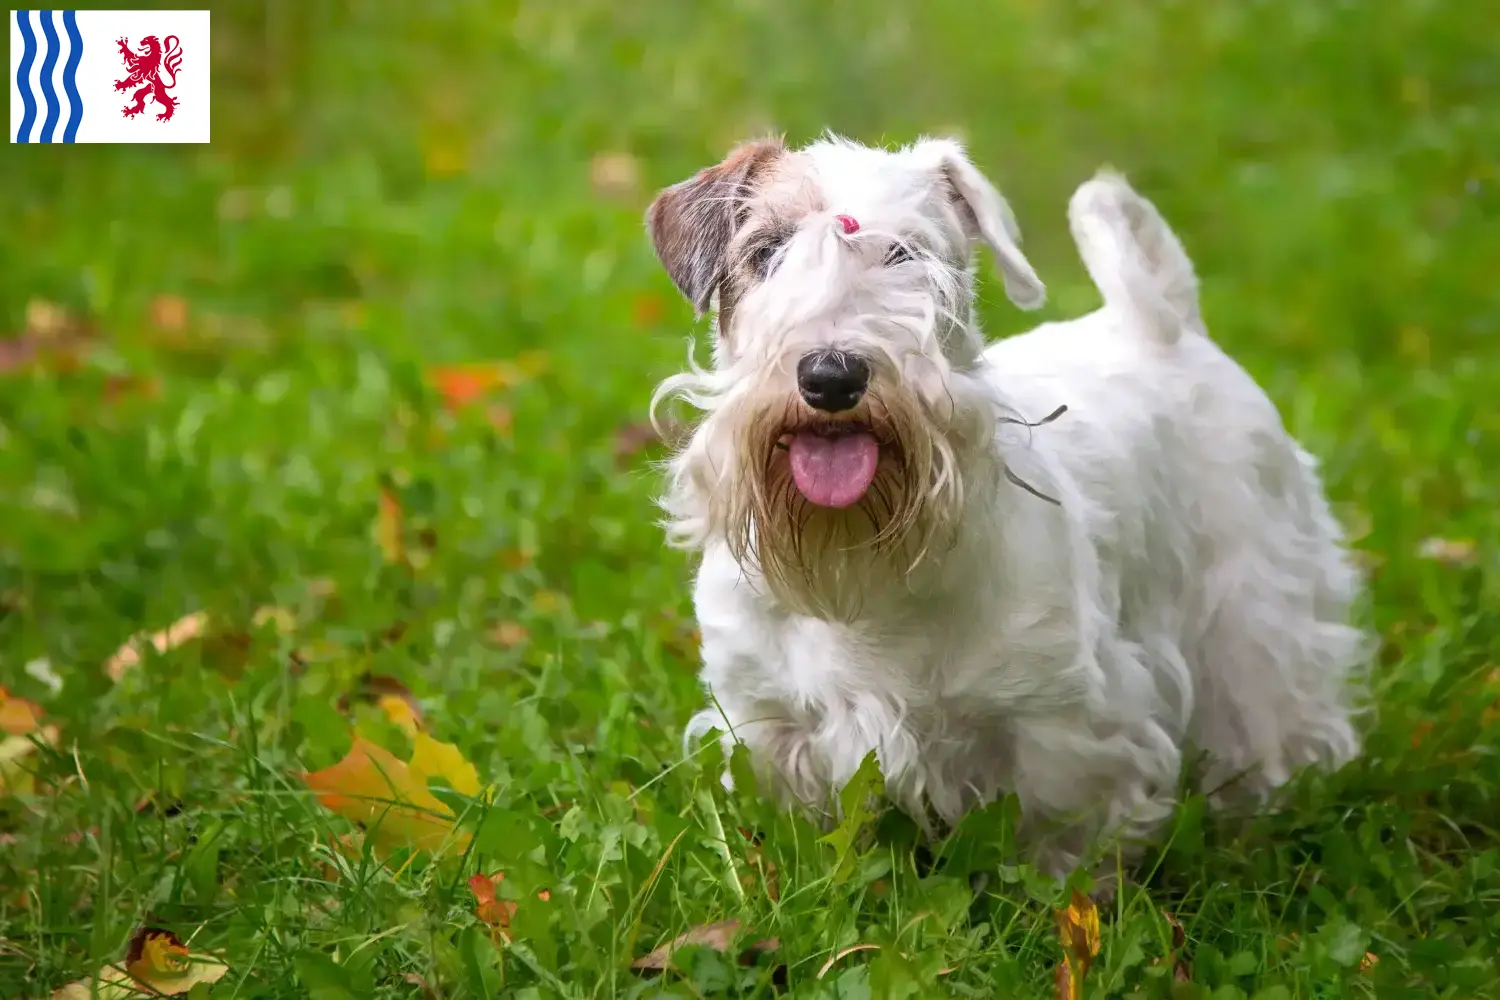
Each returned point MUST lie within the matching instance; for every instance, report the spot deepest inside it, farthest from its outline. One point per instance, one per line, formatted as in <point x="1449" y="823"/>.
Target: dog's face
<point x="837" y="411"/>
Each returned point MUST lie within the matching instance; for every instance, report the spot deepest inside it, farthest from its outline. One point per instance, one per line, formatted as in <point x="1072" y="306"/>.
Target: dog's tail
<point x="1134" y="257"/>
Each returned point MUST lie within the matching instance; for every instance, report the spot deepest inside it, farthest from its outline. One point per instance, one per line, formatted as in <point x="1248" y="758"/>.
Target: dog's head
<point x="840" y="403"/>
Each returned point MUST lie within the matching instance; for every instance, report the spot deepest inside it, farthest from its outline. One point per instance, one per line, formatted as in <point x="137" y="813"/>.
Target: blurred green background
<point x="221" y="354"/>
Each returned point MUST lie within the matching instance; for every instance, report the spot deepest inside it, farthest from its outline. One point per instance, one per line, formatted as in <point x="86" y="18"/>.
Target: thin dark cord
<point x="1017" y="480"/>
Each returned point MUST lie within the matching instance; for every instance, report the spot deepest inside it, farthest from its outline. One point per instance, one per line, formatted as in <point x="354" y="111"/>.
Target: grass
<point x="390" y="190"/>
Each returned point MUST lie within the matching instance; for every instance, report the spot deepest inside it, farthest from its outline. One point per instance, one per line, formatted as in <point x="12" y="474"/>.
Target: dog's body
<point x="1063" y="610"/>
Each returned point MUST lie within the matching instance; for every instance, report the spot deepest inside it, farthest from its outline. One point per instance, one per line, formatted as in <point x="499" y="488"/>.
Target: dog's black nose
<point x="832" y="381"/>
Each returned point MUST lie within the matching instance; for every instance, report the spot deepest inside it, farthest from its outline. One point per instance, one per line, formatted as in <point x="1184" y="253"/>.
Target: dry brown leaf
<point x="1180" y="969"/>
<point x="183" y="630"/>
<point x="843" y="953"/>
<point x="718" y="936"/>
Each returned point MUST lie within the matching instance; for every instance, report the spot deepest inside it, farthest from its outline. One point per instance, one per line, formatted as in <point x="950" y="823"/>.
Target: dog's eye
<point x="763" y="256"/>
<point x="900" y="253"/>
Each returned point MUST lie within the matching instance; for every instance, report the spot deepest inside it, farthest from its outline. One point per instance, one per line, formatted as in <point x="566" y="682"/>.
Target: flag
<point x="109" y="76"/>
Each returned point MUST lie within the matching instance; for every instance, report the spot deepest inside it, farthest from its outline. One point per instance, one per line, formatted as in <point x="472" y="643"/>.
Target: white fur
<point x="1189" y="590"/>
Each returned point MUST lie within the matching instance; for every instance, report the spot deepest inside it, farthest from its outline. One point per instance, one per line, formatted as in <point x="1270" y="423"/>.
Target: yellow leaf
<point x="388" y="533"/>
<point x="385" y="796"/>
<point x="16" y="772"/>
<point x="183" y="630"/>
<point x="400" y="711"/>
<point x="1078" y="929"/>
<point x="433" y="759"/>
<point x="17" y="715"/>
<point x="157" y="963"/>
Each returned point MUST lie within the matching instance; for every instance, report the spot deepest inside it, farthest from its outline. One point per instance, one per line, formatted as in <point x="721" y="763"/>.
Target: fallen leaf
<point x="632" y="439"/>
<point x="16" y="777"/>
<point x="17" y="715"/>
<point x="647" y="309"/>
<point x="390" y="799"/>
<point x="433" y="759"/>
<point x="52" y="337"/>
<point x="184" y="630"/>
<point x="388" y="526"/>
<point x="493" y="911"/>
<point x="1180" y="969"/>
<point x="284" y="620"/>
<point x="1452" y="551"/>
<point x="169" y="313"/>
<point x="460" y="385"/>
<point x="1078" y="929"/>
<point x="401" y="712"/>
<point x="157" y="963"/>
<point x="615" y="175"/>
<point x="509" y="634"/>
<point x="843" y="953"/>
<point x="718" y="936"/>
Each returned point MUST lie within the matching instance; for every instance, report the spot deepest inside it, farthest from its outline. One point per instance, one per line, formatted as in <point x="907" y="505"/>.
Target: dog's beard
<point x="831" y="562"/>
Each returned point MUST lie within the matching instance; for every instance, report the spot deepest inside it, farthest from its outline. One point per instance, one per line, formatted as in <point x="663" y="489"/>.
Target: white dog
<point x="900" y="555"/>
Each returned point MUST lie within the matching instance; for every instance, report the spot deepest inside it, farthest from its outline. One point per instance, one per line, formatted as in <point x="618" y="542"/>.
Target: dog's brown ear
<point x="989" y="218"/>
<point x="691" y="223"/>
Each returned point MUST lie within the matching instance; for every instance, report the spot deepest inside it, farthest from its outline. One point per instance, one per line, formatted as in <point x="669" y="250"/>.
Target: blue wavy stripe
<point x="49" y="63"/>
<point x="23" y="75"/>
<point x="70" y="76"/>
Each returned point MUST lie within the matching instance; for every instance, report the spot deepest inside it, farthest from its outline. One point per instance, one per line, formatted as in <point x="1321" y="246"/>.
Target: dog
<point x="1055" y="566"/>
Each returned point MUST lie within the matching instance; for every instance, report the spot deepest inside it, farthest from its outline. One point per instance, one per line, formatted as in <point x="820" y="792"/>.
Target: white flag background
<point x="64" y="66"/>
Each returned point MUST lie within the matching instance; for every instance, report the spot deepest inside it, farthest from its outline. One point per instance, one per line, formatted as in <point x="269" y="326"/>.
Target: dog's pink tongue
<point x="833" y="470"/>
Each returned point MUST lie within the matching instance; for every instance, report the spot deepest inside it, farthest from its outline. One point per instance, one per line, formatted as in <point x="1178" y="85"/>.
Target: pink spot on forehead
<point x="850" y="224"/>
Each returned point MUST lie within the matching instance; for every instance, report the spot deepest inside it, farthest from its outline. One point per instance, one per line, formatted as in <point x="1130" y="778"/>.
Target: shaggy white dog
<point x="901" y="553"/>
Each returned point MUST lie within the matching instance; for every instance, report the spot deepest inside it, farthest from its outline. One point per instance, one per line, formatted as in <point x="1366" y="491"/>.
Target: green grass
<point x="1330" y="166"/>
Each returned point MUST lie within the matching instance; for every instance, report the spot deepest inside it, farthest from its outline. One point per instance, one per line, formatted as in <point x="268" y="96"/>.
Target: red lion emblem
<point x="147" y="67"/>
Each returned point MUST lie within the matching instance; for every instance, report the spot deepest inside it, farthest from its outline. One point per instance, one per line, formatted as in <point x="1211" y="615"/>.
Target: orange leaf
<point x="460" y="385"/>
<point x="17" y="715"/>
<point x="390" y="798"/>
<point x="493" y="911"/>
<point x="184" y="630"/>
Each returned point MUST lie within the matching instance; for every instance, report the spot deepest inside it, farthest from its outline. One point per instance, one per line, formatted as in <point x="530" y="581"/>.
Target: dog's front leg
<point x="1088" y="779"/>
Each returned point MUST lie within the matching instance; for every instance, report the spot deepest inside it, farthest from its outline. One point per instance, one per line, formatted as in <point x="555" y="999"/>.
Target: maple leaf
<point x="390" y="798"/>
<point x="1078" y="928"/>
<point x="157" y="963"/>
<point x="183" y="630"/>
<point x="718" y="936"/>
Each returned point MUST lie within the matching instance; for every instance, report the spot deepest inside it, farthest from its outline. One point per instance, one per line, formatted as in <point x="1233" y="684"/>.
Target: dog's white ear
<point x="691" y="223"/>
<point x="989" y="218"/>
